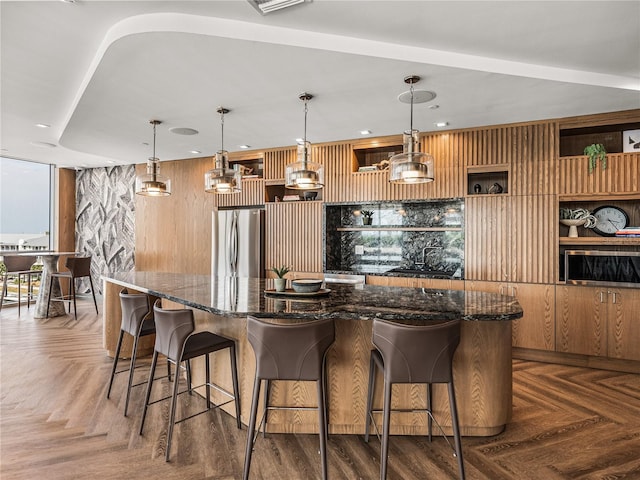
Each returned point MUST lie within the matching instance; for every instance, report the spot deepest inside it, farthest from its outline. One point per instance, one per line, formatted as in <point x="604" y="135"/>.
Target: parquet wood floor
<point x="55" y="423"/>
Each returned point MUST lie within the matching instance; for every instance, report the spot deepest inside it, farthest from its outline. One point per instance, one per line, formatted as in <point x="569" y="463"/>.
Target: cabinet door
<point x="536" y="329"/>
<point x="624" y="323"/>
<point x="581" y="320"/>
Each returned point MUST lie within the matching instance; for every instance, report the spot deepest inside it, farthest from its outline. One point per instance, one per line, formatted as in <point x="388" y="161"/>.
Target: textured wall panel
<point x="293" y="236"/>
<point x="252" y="193"/>
<point x="275" y="161"/>
<point x="105" y="219"/>
<point x="622" y="175"/>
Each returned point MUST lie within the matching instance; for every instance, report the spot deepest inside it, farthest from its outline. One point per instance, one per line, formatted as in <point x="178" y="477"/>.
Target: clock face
<point x="610" y="219"/>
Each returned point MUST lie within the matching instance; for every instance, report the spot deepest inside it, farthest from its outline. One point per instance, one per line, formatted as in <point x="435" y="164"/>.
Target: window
<point x="25" y="205"/>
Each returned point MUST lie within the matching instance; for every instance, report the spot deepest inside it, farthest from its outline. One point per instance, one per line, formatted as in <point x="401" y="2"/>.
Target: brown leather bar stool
<point x="176" y="340"/>
<point x="137" y="321"/>
<point x="20" y="266"/>
<point x="413" y="354"/>
<point x="291" y="351"/>
<point x="79" y="267"/>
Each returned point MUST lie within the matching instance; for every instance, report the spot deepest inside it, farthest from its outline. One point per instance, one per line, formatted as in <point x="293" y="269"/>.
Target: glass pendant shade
<point x="152" y="184"/>
<point x="304" y="174"/>
<point x="411" y="166"/>
<point x="221" y="179"/>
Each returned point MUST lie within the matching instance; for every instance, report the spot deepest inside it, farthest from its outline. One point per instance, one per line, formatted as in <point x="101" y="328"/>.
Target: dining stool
<point x="137" y="321"/>
<point x="79" y="267"/>
<point x="413" y="354"/>
<point x="176" y="340"/>
<point x="289" y="351"/>
<point x="19" y="266"/>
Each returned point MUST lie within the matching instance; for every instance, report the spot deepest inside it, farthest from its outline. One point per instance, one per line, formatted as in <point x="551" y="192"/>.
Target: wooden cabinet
<point x="598" y="321"/>
<point x="435" y="283"/>
<point x="536" y="329"/>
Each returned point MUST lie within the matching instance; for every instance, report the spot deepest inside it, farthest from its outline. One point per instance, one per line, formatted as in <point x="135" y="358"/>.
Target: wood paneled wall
<point x="622" y="175"/>
<point x="275" y="161"/>
<point x="252" y="193"/>
<point x="65" y="238"/>
<point x="293" y="236"/>
<point x="173" y="234"/>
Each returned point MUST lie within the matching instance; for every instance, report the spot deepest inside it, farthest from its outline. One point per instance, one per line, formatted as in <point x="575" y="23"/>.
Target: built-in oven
<point x="600" y="267"/>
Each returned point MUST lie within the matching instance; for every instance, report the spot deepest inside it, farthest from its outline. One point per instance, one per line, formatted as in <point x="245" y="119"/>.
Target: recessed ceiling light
<point x="183" y="131"/>
<point x="419" y="96"/>
<point x="245" y="147"/>
<point x="441" y="124"/>
<point x="42" y="125"/>
<point x="433" y="107"/>
<point x="365" y="132"/>
<point x="299" y="140"/>
<point x="110" y="161"/>
<point x="43" y="144"/>
<point x="195" y="151"/>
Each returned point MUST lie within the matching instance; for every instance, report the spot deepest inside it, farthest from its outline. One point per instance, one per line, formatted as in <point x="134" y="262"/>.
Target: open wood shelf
<point x="599" y="241"/>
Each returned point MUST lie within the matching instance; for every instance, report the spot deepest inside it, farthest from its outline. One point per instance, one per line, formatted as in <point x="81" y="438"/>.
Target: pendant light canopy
<point x="304" y="174"/>
<point x="152" y="184"/>
<point x="221" y="179"/>
<point x="411" y="166"/>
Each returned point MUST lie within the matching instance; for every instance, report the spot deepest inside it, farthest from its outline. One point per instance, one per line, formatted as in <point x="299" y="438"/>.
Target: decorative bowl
<point x="306" y="285"/>
<point x="573" y="224"/>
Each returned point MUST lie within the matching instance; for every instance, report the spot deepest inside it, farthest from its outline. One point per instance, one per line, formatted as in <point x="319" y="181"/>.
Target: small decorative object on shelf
<point x="595" y="152"/>
<point x="577" y="217"/>
<point x="366" y="216"/>
<point x="280" y="282"/>
<point x="495" y="188"/>
<point x="477" y="188"/>
<point x="609" y="219"/>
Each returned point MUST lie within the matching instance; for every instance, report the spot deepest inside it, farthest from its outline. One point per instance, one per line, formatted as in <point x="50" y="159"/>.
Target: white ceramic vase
<point x="280" y="284"/>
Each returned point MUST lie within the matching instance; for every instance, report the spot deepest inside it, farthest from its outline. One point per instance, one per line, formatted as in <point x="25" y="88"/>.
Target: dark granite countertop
<point x="242" y="296"/>
<point x="391" y="271"/>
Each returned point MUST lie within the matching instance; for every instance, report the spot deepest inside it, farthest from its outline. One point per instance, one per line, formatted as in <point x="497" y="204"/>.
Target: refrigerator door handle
<point x="233" y="244"/>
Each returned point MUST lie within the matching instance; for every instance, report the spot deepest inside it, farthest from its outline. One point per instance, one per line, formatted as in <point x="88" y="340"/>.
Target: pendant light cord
<point x="306" y="101"/>
<point x="222" y="130"/>
<point x="155" y="165"/>
<point x="411" y="90"/>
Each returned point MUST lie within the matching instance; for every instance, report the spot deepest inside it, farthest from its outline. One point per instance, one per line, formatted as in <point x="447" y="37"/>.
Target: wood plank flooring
<point x="55" y="423"/>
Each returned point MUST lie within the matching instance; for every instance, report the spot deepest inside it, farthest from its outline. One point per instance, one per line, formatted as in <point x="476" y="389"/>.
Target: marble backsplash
<point x="425" y="236"/>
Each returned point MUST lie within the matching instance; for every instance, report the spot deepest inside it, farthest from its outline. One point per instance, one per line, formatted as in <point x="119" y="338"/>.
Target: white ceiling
<point x="98" y="71"/>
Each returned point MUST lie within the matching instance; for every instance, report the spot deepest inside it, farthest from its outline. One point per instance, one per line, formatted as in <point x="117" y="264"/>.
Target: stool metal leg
<point x="456" y="428"/>
<point x="236" y="387"/>
<point x="322" y="424"/>
<point x="115" y="361"/>
<point x="251" y="428"/>
<point x="172" y="413"/>
<point x="384" y="453"/>
<point x="72" y="287"/>
<point x="93" y="292"/>
<point x="132" y="367"/>
<point x="152" y="373"/>
<point x="430" y="410"/>
<point x="372" y="384"/>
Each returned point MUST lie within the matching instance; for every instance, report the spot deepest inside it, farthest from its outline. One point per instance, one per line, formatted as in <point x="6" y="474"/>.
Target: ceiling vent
<point x="268" y="6"/>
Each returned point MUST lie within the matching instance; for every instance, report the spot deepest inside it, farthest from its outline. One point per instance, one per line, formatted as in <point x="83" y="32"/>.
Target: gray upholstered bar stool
<point x="137" y="321"/>
<point x="176" y="340"/>
<point x="289" y="351"/>
<point x="413" y="354"/>
<point x="79" y="267"/>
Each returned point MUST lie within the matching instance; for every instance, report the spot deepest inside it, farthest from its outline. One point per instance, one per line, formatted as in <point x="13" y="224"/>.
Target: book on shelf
<point x="628" y="232"/>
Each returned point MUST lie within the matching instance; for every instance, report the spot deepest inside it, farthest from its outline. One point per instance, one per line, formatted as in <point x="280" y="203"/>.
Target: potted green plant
<point x="366" y="216"/>
<point x="280" y="282"/>
<point x="595" y="152"/>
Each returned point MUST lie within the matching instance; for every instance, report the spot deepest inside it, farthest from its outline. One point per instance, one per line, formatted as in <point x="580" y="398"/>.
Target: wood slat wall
<point x="487" y="242"/>
<point x="252" y="193"/>
<point x="533" y="238"/>
<point x="293" y="236"/>
<point x="622" y="175"/>
<point x="275" y="161"/>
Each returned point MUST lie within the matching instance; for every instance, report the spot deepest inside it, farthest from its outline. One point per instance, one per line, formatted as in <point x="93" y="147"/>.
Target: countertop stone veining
<point x="241" y="296"/>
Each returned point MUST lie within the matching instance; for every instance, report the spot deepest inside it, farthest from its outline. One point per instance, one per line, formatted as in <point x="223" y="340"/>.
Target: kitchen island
<point x="482" y="365"/>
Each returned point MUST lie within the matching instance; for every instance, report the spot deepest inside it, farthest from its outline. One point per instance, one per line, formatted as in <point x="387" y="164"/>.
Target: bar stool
<point x="79" y="267"/>
<point x="137" y="321"/>
<point x="20" y="266"/>
<point x="292" y="351"/>
<point x="176" y="340"/>
<point x="413" y="354"/>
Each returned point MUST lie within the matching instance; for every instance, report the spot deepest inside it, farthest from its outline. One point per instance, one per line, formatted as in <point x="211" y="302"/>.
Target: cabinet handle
<point x="514" y="291"/>
<point x="615" y="297"/>
<point x="601" y="296"/>
<point x="501" y="289"/>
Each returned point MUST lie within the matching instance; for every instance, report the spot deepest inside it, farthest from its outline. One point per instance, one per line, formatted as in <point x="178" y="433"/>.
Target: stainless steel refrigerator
<point x="237" y="239"/>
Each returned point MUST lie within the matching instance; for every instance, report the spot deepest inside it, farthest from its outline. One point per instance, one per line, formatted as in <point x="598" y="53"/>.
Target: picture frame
<point x="631" y="141"/>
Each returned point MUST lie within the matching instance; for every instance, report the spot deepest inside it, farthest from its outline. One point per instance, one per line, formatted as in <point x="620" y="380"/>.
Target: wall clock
<point x="610" y="219"/>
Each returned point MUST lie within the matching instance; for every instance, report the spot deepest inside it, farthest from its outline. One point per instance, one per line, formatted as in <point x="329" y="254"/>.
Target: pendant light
<point x="152" y="184"/>
<point x="304" y="174"/>
<point x="411" y="166"/>
<point x="221" y="179"/>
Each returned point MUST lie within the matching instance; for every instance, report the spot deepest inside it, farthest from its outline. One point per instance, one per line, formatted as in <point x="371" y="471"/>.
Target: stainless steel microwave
<point x="599" y="267"/>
